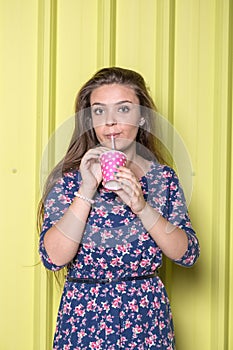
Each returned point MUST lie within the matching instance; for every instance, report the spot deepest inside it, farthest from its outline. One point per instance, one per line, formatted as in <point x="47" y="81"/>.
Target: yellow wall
<point x="184" y="51"/>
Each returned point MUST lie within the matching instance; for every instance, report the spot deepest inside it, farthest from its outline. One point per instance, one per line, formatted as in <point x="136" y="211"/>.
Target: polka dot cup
<point x="109" y="161"/>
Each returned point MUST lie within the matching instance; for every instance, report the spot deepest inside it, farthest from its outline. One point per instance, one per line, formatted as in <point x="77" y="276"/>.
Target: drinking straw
<point x="113" y="142"/>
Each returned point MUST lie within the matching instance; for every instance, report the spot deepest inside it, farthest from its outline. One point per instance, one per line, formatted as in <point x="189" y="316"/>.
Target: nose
<point x="110" y="118"/>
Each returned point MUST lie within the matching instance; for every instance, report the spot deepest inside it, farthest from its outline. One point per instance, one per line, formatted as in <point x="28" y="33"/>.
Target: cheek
<point x="131" y="131"/>
<point x="98" y="131"/>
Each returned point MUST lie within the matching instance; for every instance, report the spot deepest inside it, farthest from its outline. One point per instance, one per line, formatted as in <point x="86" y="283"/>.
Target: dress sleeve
<point x="56" y="203"/>
<point x="178" y="215"/>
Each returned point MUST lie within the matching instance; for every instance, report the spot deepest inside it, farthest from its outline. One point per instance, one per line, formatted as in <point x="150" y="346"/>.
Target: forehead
<point x="113" y="93"/>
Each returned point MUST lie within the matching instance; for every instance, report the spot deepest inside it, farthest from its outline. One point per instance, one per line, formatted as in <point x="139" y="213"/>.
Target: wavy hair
<point x="84" y="137"/>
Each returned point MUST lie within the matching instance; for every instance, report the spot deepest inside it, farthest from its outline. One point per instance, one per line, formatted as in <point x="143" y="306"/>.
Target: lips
<point x="115" y="135"/>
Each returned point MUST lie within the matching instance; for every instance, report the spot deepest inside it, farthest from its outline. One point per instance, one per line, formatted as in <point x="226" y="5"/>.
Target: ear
<point x="141" y="122"/>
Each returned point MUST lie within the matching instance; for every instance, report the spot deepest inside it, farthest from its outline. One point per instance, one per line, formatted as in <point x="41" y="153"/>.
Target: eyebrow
<point x="117" y="103"/>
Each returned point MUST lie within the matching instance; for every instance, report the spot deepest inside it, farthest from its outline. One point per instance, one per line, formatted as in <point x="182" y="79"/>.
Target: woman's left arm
<point x="172" y="240"/>
<point x="173" y="232"/>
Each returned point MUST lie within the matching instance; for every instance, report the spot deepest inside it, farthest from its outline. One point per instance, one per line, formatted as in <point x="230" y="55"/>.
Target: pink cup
<point x="109" y="162"/>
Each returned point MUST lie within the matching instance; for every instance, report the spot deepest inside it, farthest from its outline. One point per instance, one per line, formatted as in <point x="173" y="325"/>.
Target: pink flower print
<point x="92" y="329"/>
<point x="137" y="329"/>
<point x="102" y="263"/>
<point x="95" y="229"/>
<point x="96" y="344"/>
<point x="64" y="199"/>
<point x="133" y="305"/>
<point x="67" y="308"/>
<point x="121" y="287"/>
<point x="144" y="262"/>
<point x="146" y="286"/>
<point x="88" y="259"/>
<point x="108" y="330"/>
<point x="128" y="324"/>
<point x="134" y="265"/>
<point x="122" y="314"/>
<point x="74" y="329"/>
<point x="80" y="295"/>
<point x="170" y="347"/>
<point x="70" y="184"/>
<point x="150" y="313"/>
<point x="66" y="331"/>
<point x="118" y="209"/>
<point x="117" y="302"/>
<point x="152" y="250"/>
<point x="89" y="245"/>
<point x="109" y="318"/>
<point x="173" y="186"/>
<point x="79" y="310"/>
<point x="125" y="221"/>
<point x="144" y="302"/>
<point x="50" y="203"/>
<point x="149" y="341"/>
<point x="82" y="333"/>
<point x="94" y="291"/>
<point x="119" y="233"/>
<point x="163" y="299"/>
<point x="105" y="306"/>
<point x="91" y="305"/>
<point x="161" y="325"/>
<point x="70" y="294"/>
<point x="79" y="265"/>
<point x="101" y="211"/>
<point x="133" y="230"/>
<point x="122" y="248"/>
<point x="144" y="236"/>
<point x="108" y="223"/>
<point x="167" y="174"/>
<point x="156" y="304"/>
<point x="106" y="235"/>
<point x="60" y="181"/>
<point x="109" y="275"/>
<point x="116" y="261"/>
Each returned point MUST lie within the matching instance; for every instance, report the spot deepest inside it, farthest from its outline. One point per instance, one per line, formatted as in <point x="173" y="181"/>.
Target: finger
<point x="128" y="178"/>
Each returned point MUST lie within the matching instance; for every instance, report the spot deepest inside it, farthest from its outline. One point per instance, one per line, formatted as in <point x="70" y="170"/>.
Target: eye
<point x="98" y="111"/>
<point x="124" y="109"/>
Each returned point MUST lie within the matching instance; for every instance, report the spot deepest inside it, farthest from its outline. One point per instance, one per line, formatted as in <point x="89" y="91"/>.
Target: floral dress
<point x="132" y="314"/>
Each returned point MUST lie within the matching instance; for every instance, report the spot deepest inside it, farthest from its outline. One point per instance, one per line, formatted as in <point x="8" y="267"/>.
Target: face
<point x="115" y="115"/>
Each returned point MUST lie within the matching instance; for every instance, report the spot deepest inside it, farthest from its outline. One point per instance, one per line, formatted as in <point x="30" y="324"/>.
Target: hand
<point x="91" y="171"/>
<point x="131" y="191"/>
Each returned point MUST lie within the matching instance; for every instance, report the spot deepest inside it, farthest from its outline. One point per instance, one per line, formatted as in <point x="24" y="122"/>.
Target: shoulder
<point x="65" y="184"/>
<point x="72" y="176"/>
<point x="161" y="171"/>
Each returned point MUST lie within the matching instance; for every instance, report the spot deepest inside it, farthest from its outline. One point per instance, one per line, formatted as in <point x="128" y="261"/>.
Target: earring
<point x="141" y="122"/>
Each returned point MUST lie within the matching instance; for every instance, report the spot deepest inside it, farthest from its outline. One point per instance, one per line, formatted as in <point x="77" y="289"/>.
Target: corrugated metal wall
<point x="184" y="51"/>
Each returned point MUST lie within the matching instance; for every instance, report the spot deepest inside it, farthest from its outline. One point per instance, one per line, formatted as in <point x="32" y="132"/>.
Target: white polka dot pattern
<point x="109" y="162"/>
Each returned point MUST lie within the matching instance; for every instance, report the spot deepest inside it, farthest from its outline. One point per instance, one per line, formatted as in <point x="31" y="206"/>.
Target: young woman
<point x="112" y="242"/>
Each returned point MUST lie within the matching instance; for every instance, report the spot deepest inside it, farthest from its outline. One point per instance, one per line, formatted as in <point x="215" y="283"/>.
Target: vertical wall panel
<point x="193" y="110"/>
<point x="135" y="37"/>
<point x="77" y="50"/>
<point x="221" y="181"/>
<point x="18" y="66"/>
<point x="45" y="123"/>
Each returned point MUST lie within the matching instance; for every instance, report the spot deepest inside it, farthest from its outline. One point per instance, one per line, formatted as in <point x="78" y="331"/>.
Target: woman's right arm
<point x="62" y="240"/>
<point x="62" y="233"/>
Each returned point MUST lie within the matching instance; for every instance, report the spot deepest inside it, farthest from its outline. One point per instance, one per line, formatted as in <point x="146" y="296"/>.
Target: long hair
<point x="84" y="137"/>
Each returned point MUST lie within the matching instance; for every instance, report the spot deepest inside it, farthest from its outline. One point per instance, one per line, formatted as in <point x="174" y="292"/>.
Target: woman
<point x="112" y="242"/>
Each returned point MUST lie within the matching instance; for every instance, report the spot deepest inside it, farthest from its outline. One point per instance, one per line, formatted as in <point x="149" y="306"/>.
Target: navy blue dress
<point x="125" y="315"/>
